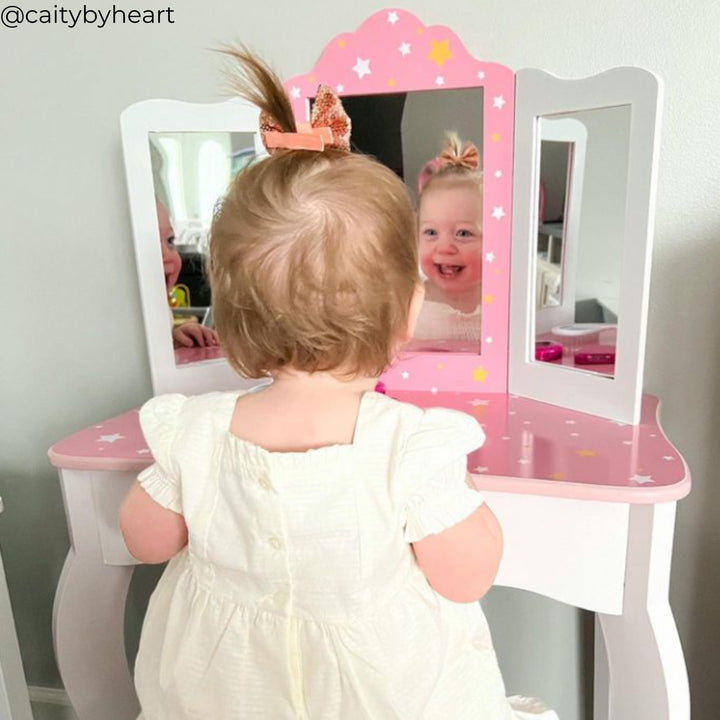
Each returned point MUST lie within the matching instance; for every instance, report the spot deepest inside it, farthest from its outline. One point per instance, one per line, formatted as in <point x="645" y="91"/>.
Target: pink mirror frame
<point x="392" y="52"/>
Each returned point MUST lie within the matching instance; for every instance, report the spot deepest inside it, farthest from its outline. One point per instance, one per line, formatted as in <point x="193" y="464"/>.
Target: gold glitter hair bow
<point x="468" y="157"/>
<point x="329" y="126"/>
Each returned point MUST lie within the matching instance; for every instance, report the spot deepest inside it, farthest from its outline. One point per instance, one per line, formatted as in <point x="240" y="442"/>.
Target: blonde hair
<point x="450" y="167"/>
<point x="313" y="256"/>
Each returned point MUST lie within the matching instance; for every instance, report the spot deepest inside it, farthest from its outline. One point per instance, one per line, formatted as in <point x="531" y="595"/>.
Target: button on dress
<point x="298" y="596"/>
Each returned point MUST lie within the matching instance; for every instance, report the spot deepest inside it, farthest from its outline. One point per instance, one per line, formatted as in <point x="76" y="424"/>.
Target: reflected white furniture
<point x="587" y="507"/>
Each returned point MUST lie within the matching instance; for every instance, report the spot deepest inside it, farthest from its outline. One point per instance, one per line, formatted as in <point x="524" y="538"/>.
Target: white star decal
<point x="570" y="422"/>
<point x="498" y="212"/>
<point x="294" y="92"/>
<point x="362" y="68"/>
<point x="433" y="390"/>
<point x="404" y="49"/>
<point x="498" y="173"/>
<point x="505" y="437"/>
<point x="404" y="374"/>
<point x="527" y="422"/>
<point x="439" y="80"/>
<point x="481" y="75"/>
<point x="641" y="479"/>
<point x="110" y="438"/>
<point x="340" y="88"/>
<point x="488" y="340"/>
<point x="490" y="256"/>
<point x="668" y="457"/>
<point x="512" y="412"/>
<point x="392" y="17"/>
<point x="498" y="101"/>
<point x="99" y="426"/>
<point x="478" y="401"/>
<point x="627" y="442"/>
<point x="144" y="451"/>
<point x="480" y="469"/>
<point x="524" y="461"/>
<point x="574" y="434"/>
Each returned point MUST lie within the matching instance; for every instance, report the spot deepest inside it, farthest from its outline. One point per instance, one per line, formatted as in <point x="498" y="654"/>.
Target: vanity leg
<point x="640" y="671"/>
<point x="89" y="615"/>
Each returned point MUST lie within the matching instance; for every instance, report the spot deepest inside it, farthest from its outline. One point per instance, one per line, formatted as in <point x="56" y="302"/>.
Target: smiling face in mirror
<point x="405" y="131"/>
<point x="583" y="169"/>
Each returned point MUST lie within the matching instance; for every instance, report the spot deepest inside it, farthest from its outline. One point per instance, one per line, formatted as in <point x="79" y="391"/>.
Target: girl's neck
<point x="299" y="382"/>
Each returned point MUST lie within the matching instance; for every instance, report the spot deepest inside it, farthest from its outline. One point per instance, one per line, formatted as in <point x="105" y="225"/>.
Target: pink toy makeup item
<point x="380" y="387"/>
<point x="546" y="351"/>
<point x="595" y="355"/>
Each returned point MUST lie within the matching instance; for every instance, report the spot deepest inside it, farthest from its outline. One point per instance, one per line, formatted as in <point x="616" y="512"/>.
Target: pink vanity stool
<point x="587" y="507"/>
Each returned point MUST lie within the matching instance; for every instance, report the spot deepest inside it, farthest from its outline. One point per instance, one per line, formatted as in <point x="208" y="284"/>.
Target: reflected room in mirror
<point x="583" y="169"/>
<point x="407" y="132"/>
<point x="191" y="173"/>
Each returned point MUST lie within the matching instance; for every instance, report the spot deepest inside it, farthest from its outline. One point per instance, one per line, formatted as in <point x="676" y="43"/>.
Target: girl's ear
<point x="416" y="302"/>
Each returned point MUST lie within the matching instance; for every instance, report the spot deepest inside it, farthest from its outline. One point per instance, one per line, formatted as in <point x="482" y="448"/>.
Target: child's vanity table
<point x="575" y="465"/>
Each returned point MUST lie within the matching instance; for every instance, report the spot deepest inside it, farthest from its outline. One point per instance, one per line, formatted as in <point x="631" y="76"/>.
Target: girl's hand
<point x="193" y="334"/>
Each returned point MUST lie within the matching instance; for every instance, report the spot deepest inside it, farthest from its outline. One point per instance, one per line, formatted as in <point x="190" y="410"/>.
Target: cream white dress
<point x="298" y="596"/>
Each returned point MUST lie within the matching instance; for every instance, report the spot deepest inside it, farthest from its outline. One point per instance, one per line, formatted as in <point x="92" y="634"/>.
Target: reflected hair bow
<point x="468" y="157"/>
<point x="329" y="126"/>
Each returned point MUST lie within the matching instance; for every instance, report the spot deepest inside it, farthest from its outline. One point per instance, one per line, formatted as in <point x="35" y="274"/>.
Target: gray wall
<point x="73" y="343"/>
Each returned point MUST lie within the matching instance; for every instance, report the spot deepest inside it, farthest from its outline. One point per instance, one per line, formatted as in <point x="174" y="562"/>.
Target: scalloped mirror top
<point x="393" y="55"/>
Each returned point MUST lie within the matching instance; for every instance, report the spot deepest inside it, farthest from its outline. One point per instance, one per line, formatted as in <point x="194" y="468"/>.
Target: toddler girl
<point x="325" y="549"/>
<point x="450" y="206"/>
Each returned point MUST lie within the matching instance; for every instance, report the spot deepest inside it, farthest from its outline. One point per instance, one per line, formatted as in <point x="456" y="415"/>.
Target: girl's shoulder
<point x="424" y="432"/>
<point x="167" y="415"/>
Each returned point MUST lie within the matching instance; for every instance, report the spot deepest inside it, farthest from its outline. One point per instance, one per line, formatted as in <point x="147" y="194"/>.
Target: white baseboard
<point x="51" y="696"/>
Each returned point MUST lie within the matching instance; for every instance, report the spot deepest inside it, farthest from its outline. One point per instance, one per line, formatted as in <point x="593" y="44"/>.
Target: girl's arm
<point x="152" y="533"/>
<point x="461" y="562"/>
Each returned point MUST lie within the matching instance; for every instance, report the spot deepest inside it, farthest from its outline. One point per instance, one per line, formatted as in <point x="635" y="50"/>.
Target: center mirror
<point x="407" y="132"/>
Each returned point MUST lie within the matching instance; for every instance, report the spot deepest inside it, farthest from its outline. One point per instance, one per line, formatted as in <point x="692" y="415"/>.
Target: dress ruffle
<point x="435" y="468"/>
<point x="159" y="420"/>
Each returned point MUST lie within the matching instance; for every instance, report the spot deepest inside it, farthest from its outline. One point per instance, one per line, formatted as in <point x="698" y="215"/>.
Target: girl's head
<point x="313" y="259"/>
<point x="450" y="208"/>
<point x="172" y="262"/>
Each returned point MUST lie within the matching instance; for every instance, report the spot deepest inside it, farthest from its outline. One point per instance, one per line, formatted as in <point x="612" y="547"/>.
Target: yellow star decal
<point x="440" y="366"/>
<point x="392" y="82"/>
<point x="480" y="374"/>
<point x="495" y="137"/>
<point x="440" y="52"/>
<point x="311" y="79"/>
<point x="479" y="411"/>
<point x="489" y="299"/>
<point x="557" y="476"/>
<point x="341" y="43"/>
<point x="419" y="31"/>
<point x="586" y="453"/>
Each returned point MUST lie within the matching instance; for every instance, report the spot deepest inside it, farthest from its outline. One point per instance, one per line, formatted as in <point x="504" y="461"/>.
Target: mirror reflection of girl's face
<point x="450" y="228"/>
<point x="172" y="262"/>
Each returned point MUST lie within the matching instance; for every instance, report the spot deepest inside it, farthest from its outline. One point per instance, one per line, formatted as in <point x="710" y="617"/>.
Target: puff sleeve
<point x="434" y="470"/>
<point x="159" y="420"/>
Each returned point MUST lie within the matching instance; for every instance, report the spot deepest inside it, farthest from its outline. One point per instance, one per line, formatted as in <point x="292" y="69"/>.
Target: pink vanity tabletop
<point x="532" y="448"/>
<point x="186" y="355"/>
